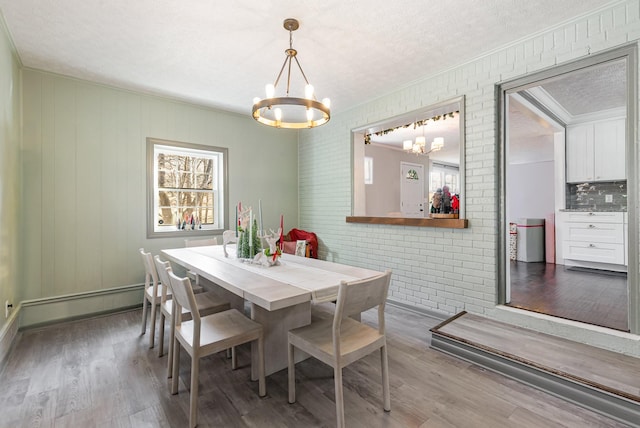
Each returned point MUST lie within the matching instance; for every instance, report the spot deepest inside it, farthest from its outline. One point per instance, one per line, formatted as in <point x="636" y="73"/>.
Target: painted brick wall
<point x="441" y="270"/>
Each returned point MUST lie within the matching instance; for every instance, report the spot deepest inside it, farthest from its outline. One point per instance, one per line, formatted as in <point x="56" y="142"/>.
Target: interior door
<point x="412" y="189"/>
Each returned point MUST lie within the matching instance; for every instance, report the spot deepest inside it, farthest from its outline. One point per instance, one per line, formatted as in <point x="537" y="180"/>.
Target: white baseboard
<point x="8" y="334"/>
<point x="79" y="305"/>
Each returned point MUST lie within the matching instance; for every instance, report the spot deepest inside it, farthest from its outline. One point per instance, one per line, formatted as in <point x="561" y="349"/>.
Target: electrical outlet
<point x="608" y="198"/>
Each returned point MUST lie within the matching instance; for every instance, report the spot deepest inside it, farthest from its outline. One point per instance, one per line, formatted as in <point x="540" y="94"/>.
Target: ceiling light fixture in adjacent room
<point x="420" y="145"/>
<point x="288" y="111"/>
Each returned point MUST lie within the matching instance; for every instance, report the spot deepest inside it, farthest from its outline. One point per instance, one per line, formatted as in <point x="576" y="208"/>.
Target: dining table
<point x="280" y="296"/>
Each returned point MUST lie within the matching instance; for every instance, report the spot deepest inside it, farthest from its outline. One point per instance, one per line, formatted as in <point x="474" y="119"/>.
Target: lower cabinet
<point x="595" y="237"/>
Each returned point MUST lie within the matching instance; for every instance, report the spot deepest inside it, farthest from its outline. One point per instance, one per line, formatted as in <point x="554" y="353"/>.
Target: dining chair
<point x="153" y="292"/>
<point x="341" y="340"/>
<point x="207" y="303"/>
<point x="200" y="242"/>
<point x="202" y="336"/>
<point x="188" y="243"/>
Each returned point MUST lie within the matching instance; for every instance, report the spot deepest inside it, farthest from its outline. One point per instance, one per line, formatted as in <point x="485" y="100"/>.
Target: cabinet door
<point x="579" y="153"/>
<point x="594" y="252"/>
<point x="609" y="150"/>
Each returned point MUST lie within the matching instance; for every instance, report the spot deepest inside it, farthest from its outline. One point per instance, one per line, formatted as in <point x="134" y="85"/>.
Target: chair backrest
<point x="358" y="296"/>
<point x="183" y="298"/>
<point x="162" y="268"/>
<point x="200" y="242"/>
<point x="151" y="275"/>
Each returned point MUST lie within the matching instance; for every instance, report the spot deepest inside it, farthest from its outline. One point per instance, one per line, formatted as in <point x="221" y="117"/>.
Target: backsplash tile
<point x="593" y="196"/>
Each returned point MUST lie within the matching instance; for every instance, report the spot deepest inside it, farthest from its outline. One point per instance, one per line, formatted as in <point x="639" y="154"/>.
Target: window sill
<point x="450" y="223"/>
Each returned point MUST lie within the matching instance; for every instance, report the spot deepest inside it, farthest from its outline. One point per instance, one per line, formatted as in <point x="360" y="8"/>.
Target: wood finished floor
<point x="593" y="298"/>
<point x="100" y="373"/>
<point x="606" y="370"/>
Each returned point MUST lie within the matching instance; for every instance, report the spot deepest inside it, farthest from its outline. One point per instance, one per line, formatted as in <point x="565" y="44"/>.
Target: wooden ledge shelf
<point x="450" y="223"/>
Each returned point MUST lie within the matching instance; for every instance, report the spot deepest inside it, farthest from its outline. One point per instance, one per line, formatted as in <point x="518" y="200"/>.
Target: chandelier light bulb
<point x="326" y="102"/>
<point x="278" y="114"/>
<point x="309" y="114"/>
<point x="407" y="145"/>
<point x="421" y="141"/>
<point x="308" y="91"/>
<point x="256" y="100"/>
<point x="270" y="90"/>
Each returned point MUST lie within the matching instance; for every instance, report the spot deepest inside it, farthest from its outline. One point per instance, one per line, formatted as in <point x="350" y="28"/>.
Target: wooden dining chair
<point x="188" y="243"/>
<point x="340" y="341"/>
<point x="200" y="242"/>
<point x="153" y="292"/>
<point x="202" y="336"/>
<point x="207" y="303"/>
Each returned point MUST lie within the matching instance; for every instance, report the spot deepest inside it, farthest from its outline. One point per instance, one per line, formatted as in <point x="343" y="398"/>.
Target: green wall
<point x="85" y="186"/>
<point x="10" y="215"/>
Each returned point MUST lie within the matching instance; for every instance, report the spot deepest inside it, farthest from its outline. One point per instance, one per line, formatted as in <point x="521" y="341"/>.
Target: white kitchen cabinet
<point x="595" y="151"/>
<point x="579" y="156"/>
<point x="597" y="238"/>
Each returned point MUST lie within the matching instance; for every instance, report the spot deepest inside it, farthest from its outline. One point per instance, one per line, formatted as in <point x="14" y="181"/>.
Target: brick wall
<point x="441" y="270"/>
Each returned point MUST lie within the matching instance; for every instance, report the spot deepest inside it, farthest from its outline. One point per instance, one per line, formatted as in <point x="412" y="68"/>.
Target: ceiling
<point x="221" y="54"/>
<point x="586" y="94"/>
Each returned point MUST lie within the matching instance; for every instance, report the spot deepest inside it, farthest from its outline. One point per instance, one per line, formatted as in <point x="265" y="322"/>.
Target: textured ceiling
<point x="596" y="88"/>
<point x="221" y="54"/>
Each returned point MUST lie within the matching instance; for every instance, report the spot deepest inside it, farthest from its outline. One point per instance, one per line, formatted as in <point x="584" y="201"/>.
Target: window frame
<point x="223" y="200"/>
<point x="368" y="170"/>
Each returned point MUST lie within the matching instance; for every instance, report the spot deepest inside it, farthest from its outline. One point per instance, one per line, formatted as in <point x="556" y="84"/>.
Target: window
<point x="186" y="189"/>
<point x="376" y="201"/>
<point x="368" y="170"/>
<point x="444" y="175"/>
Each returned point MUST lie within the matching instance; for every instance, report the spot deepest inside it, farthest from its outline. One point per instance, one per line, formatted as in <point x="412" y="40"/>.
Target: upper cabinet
<point x="596" y="151"/>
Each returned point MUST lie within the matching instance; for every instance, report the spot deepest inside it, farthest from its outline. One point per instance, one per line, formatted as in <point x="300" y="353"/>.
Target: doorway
<point x="567" y="164"/>
<point x="412" y="189"/>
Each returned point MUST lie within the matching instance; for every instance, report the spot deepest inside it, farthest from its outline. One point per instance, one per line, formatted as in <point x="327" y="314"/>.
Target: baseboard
<point x="79" y="305"/>
<point x="8" y="335"/>
<point x="422" y="311"/>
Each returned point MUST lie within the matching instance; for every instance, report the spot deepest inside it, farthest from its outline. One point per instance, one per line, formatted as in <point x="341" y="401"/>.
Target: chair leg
<point x="161" y="335"/>
<point x="172" y="338"/>
<point x="262" y="388"/>
<point x="385" y="379"/>
<point x="152" y="329"/>
<point x="234" y="358"/>
<point x="176" y="369"/>
<point x="292" y="375"/>
<point x="193" y="401"/>
<point x="145" y="304"/>
<point x="337" y="375"/>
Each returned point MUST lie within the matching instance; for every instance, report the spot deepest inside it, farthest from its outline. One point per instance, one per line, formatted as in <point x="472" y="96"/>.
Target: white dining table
<point x="280" y="296"/>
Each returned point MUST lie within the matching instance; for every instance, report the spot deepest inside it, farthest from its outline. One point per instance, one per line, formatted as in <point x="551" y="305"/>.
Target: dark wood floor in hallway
<point x="100" y="373"/>
<point x="590" y="296"/>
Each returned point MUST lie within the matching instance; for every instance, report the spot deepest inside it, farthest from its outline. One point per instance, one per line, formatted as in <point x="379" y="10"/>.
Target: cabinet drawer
<point x="594" y="216"/>
<point x="612" y="233"/>
<point x="594" y="252"/>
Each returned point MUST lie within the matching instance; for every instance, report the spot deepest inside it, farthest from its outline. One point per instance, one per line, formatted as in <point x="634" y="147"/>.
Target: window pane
<point x="204" y="181"/>
<point x="188" y="187"/>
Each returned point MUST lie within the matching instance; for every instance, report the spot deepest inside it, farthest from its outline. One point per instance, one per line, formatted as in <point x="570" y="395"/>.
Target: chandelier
<point x="288" y="111"/>
<point x="419" y="147"/>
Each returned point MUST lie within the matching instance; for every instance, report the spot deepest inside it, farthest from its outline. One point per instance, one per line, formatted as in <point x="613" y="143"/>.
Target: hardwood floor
<point x="100" y="373"/>
<point x="585" y="296"/>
